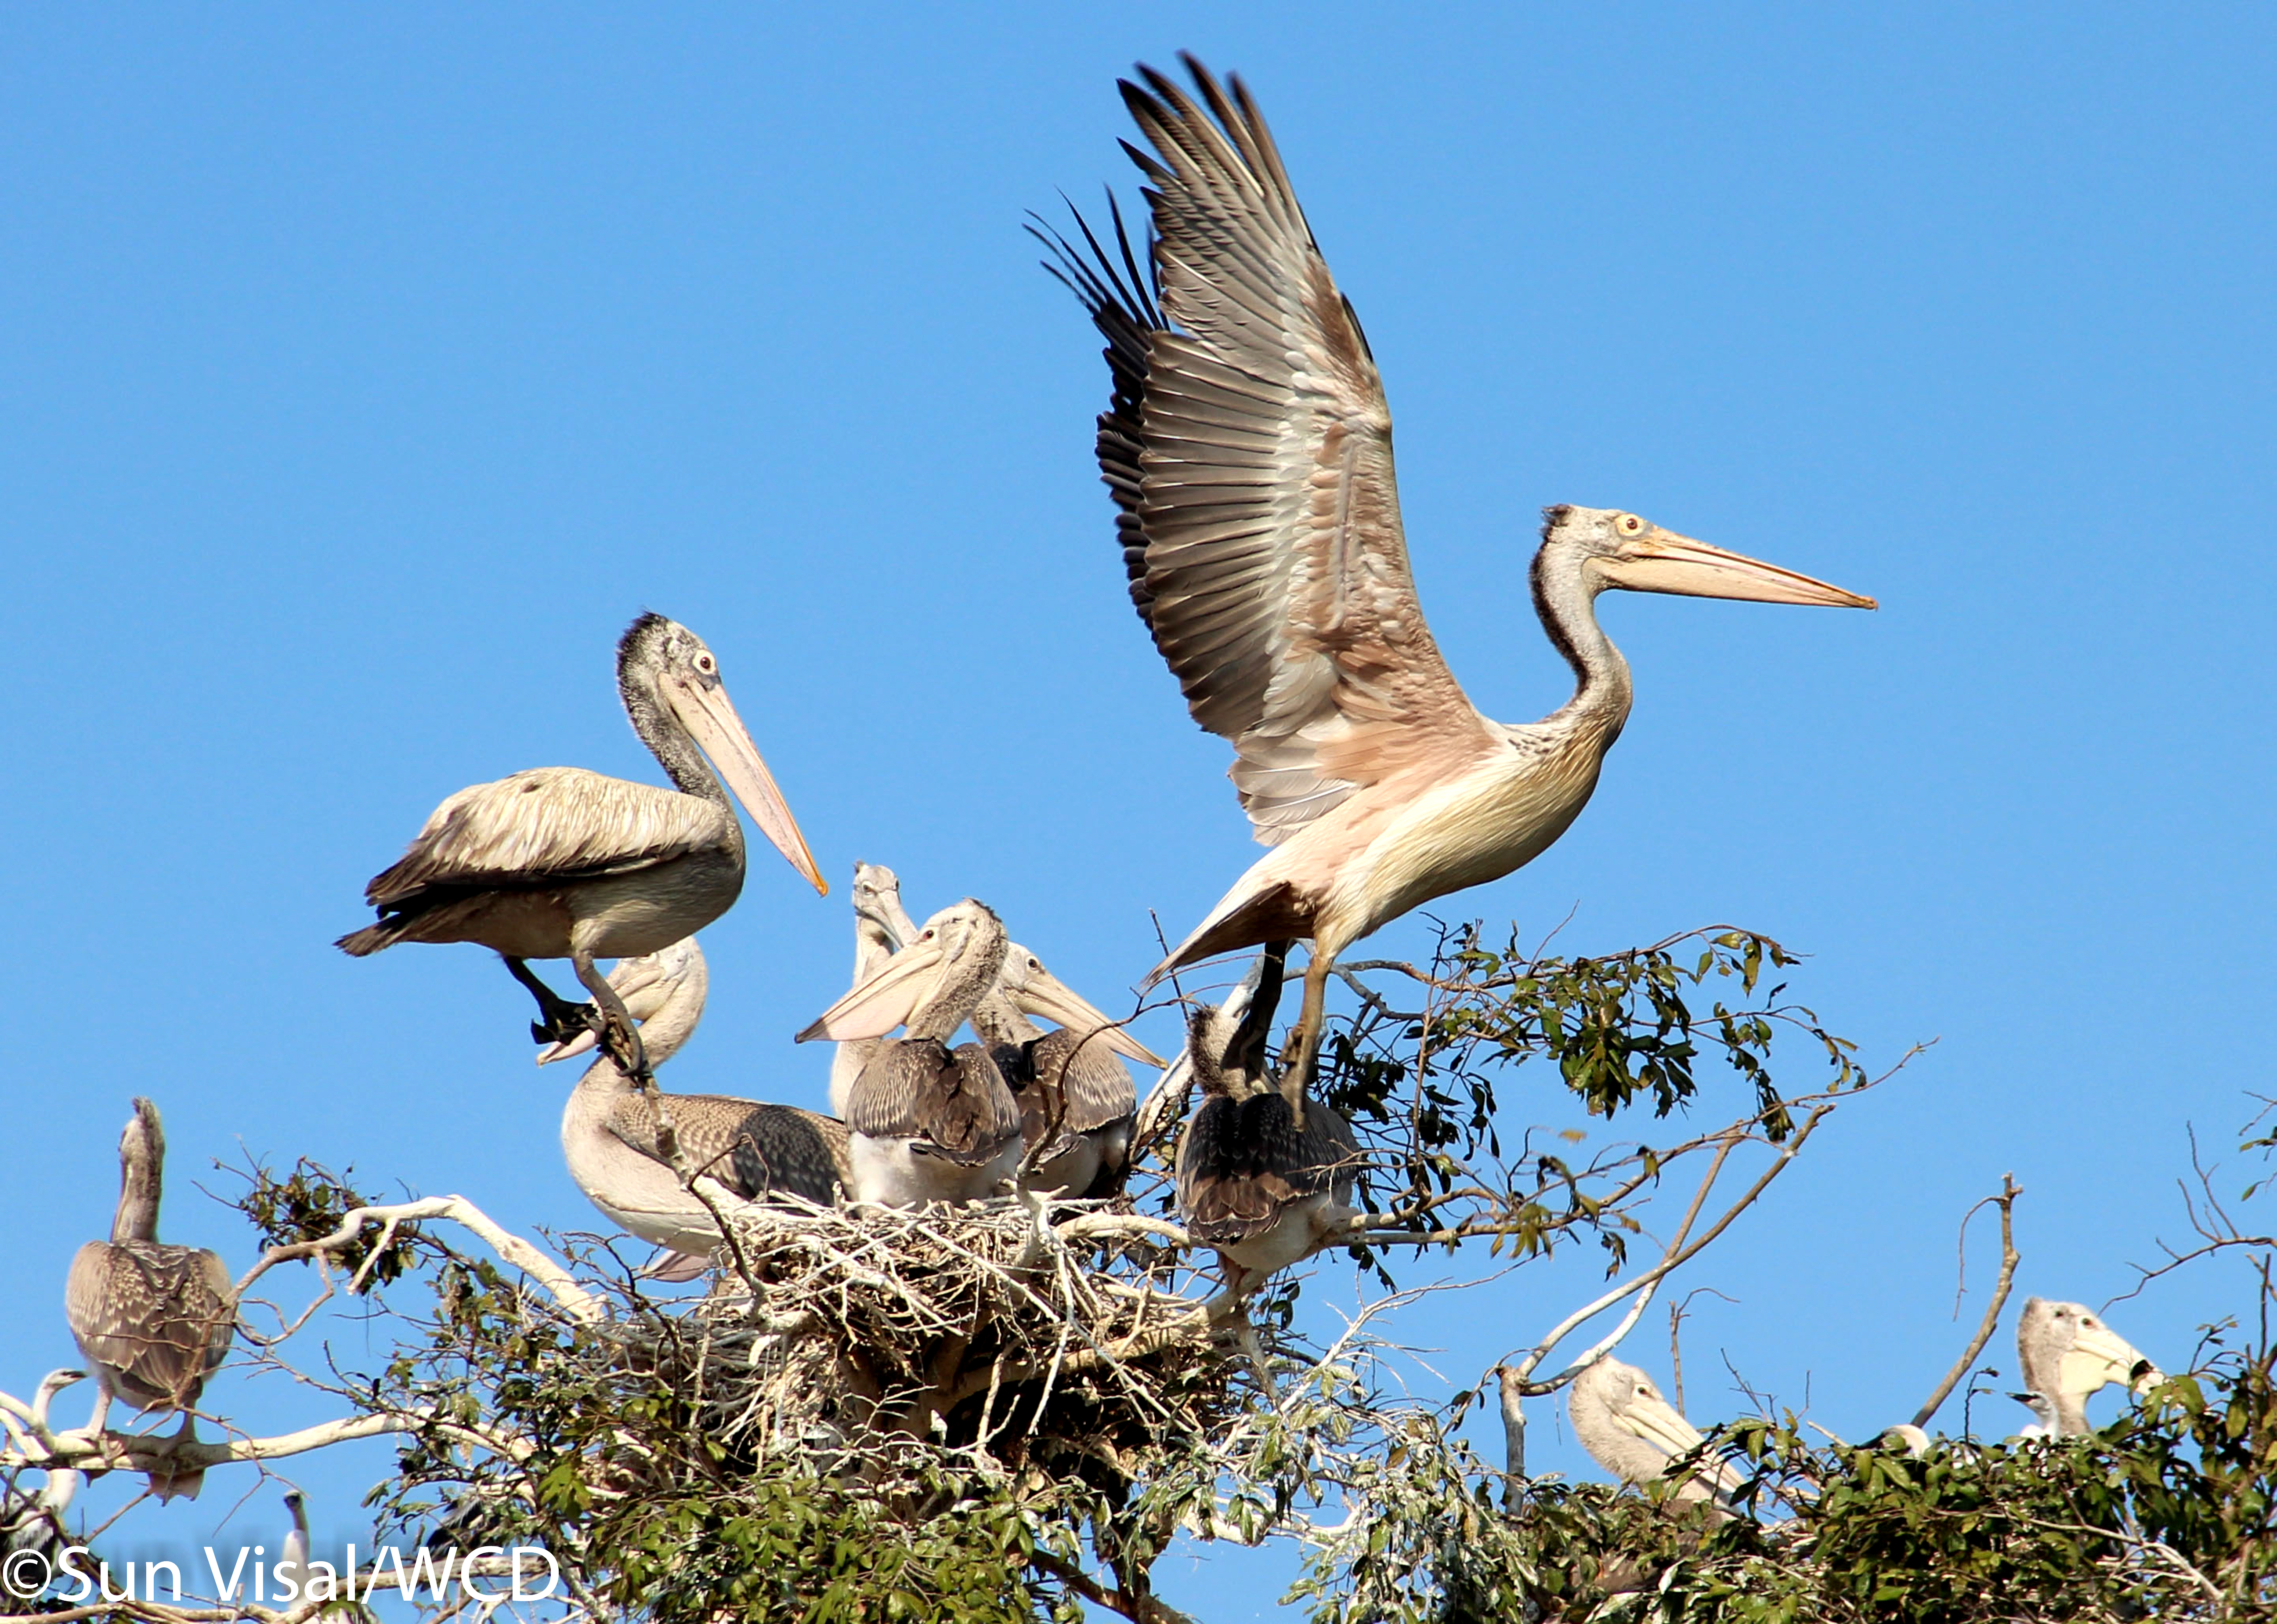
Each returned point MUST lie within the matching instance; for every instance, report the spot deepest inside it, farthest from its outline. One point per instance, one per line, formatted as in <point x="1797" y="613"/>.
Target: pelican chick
<point x="291" y="1572"/>
<point x="1077" y="1099"/>
<point x="882" y="927"/>
<point x="1078" y="1102"/>
<point x="2068" y="1355"/>
<point x="562" y="863"/>
<point x="928" y="1123"/>
<point x="154" y="1321"/>
<point x="1264" y="1188"/>
<point x="742" y="1152"/>
<point x="1633" y="1433"/>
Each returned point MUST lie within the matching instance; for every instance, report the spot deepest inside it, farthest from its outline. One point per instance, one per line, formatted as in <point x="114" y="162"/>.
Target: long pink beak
<point x="1663" y="561"/>
<point x="710" y="716"/>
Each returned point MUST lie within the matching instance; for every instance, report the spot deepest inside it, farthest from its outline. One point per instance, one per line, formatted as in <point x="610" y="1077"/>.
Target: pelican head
<point x="2068" y="1355"/>
<point x="1035" y="990"/>
<point x="672" y="977"/>
<point x="948" y="969"/>
<point x="878" y="902"/>
<point x="143" y="1141"/>
<point x="1622" y="1420"/>
<point x="1608" y="548"/>
<point x="141" y="1171"/>
<point x="1225" y="1046"/>
<point x="1635" y="1406"/>
<point x="664" y="669"/>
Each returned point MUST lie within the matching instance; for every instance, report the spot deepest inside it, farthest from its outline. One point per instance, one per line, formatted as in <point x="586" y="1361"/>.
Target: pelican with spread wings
<point x="1248" y="447"/>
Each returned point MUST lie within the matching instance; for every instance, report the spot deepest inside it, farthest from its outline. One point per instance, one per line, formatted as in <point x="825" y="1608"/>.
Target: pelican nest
<point x="1015" y="1333"/>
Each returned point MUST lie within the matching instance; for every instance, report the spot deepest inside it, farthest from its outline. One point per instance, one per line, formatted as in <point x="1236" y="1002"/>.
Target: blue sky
<point x="364" y="373"/>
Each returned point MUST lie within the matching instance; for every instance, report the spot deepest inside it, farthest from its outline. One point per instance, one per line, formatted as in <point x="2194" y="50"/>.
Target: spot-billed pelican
<point x="928" y="1123"/>
<point x="881" y="926"/>
<point x="1248" y="447"/>
<point x="1262" y="1186"/>
<point x="561" y="863"/>
<point x="1076" y="1098"/>
<point x="154" y="1321"/>
<point x="742" y="1151"/>
<point x="1633" y="1433"/>
<point x="2068" y="1355"/>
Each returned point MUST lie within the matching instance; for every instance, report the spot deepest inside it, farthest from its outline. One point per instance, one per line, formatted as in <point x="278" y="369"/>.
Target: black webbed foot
<point x="559" y="1021"/>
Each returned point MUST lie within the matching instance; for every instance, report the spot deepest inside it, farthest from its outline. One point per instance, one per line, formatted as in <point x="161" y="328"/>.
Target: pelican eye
<point x="705" y="663"/>
<point x="1629" y="524"/>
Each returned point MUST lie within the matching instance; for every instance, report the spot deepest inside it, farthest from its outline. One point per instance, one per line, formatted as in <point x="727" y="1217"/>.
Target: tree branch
<point x="2006" y="1202"/>
<point x="127" y="1452"/>
<point x="531" y="1260"/>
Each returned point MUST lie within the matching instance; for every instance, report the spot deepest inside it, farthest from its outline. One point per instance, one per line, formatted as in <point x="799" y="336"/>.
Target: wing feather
<point x="752" y="1147"/>
<point x="549" y="826"/>
<point x="954" y="1102"/>
<point x="155" y="1318"/>
<point x="1242" y="1164"/>
<point x="1079" y="1085"/>
<point x="1248" y="447"/>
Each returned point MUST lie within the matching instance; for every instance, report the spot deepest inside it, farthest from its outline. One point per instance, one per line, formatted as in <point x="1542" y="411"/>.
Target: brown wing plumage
<point x="953" y="1100"/>
<point x="550" y="826"/>
<point x="753" y="1147"/>
<point x="155" y="1320"/>
<point x="1087" y="1086"/>
<point x="1249" y="447"/>
<point x="1242" y="1164"/>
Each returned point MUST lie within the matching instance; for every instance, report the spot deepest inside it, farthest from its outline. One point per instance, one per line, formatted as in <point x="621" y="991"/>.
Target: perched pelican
<point x="1263" y="1188"/>
<point x="154" y="1321"/>
<point x="1633" y="1433"/>
<point x="881" y="926"/>
<point x="2068" y="1355"/>
<point x="928" y="1123"/>
<point x="743" y="1151"/>
<point x="1076" y="1100"/>
<point x="1248" y="447"/>
<point x="1904" y="1434"/>
<point x="561" y="863"/>
<point x="291" y="1568"/>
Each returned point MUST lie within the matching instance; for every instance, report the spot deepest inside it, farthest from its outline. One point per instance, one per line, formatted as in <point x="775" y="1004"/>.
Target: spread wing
<point x="1248" y="447"/>
<point x="550" y="826"/>
<point x="155" y="1317"/>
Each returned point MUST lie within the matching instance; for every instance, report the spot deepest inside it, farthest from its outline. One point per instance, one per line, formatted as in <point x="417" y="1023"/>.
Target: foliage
<point x="1011" y="1411"/>
<point x="308" y="1204"/>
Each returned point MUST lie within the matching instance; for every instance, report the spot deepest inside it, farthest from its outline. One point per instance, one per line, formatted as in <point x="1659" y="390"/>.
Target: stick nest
<point x="1014" y="1333"/>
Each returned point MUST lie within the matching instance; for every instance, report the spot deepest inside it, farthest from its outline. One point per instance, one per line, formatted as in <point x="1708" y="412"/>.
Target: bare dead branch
<point x="2006" y="1202"/>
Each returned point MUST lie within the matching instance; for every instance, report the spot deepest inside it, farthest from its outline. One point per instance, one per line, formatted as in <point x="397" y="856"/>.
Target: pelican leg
<point x="620" y="1038"/>
<point x="1304" y="1043"/>
<point x="562" y="1020"/>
